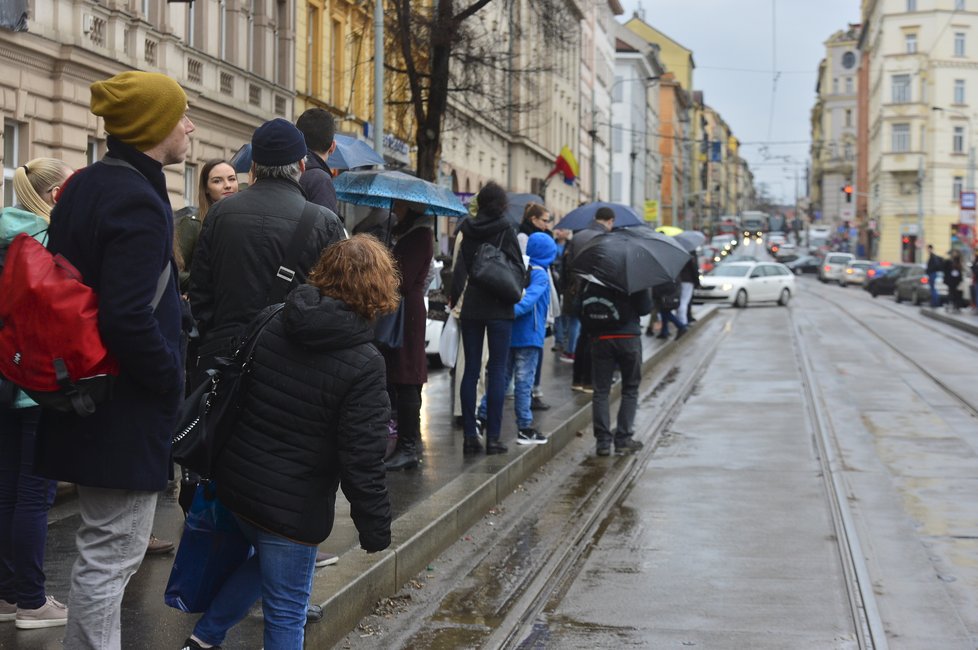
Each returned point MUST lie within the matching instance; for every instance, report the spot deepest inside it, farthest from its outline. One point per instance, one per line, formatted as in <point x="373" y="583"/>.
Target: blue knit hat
<point x="277" y="143"/>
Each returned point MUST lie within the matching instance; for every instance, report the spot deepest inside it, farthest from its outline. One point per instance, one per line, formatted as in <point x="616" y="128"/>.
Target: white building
<point x="597" y="75"/>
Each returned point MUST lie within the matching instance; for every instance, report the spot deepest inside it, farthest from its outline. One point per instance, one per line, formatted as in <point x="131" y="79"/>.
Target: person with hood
<point x="314" y="419"/>
<point x="25" y="497"/>
<point x="529" y="330"/>
<point x="484" y="316"/>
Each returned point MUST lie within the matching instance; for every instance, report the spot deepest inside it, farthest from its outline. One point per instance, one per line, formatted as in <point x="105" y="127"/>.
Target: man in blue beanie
<point x="240" y="265"/>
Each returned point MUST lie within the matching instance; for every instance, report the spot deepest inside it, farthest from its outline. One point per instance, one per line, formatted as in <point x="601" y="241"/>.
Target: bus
<point x="754" y="223"/>
<point x="728" y="224"/>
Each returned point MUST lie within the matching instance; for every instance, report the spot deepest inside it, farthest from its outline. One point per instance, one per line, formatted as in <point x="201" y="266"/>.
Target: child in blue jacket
<point x="529" y="330"/>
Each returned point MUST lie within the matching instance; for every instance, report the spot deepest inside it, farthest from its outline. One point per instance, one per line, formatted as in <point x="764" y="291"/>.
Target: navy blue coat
<point x="116" y="227"/>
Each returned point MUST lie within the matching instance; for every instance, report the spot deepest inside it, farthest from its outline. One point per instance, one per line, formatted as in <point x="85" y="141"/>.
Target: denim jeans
<point x="626" y="354"/>
<point x="111" y="540"/>
<point x="935" y="298"/>
<point x="573" y="332"/>
<point x="280" y="573"/>
<point x="524" y="369"/>
<point x="499" y="333"/>
<point x="667" y="316"/>
<point x="24" y="502"/>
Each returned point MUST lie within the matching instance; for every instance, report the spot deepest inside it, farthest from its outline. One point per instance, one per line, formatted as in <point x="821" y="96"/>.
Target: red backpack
<point x="49" y="340"/>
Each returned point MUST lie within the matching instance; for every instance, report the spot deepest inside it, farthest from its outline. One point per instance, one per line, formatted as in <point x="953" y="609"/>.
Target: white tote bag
<point x="448" y="343"/>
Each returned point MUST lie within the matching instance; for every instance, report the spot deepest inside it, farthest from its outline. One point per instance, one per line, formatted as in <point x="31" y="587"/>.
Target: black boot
<point x="406" y="456"/>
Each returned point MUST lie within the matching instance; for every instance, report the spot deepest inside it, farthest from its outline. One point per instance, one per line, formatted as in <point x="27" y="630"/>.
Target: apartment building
<point x="235" y="59"/>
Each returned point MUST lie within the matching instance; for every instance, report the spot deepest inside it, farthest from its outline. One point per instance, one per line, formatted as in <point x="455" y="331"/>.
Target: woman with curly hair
<point x="315" y="417"/>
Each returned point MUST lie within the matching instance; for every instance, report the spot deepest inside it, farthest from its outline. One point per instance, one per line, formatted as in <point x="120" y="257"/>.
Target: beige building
<point x="834" y="128"/>
<point x="235" y="59"/>
<point x="922" y="96"/>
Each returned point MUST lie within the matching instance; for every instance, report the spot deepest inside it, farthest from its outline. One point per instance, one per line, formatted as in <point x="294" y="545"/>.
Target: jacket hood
<point x="323" y="323"/>
<point x="484" y="226"/>
<point x="14" y="221"/>
<point x="541" y="249"/>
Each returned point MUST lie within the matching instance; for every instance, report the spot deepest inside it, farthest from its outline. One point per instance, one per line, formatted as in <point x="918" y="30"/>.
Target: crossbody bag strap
<point x="164" y="279"/>
<point x="285" y="274"/>
<point x="247" y="347"/>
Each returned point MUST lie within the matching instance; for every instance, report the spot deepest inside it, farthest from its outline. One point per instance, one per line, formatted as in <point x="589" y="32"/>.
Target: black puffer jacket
<point x="479" y="304"/>
<point x="315" y="417"/>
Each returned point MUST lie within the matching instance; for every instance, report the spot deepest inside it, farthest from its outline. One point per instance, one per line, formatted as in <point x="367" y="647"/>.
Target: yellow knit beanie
<point x="139" y="108"/>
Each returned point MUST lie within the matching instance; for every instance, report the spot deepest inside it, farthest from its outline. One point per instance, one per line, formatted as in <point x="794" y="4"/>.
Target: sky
<point x="736" y="44"/>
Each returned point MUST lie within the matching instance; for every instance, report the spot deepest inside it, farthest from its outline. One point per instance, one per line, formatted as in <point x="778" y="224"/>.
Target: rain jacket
<point x="530" y="326"/>
<point x="14" y="221"/>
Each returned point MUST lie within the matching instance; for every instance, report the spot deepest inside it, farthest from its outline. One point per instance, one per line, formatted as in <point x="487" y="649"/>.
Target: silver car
<point x="834" y="267"/>
<point x="855" y="272"/>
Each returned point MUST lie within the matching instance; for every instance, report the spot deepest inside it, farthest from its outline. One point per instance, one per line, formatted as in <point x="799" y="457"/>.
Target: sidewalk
<point x="965" y="320"/>
<point x="433" y="506"/>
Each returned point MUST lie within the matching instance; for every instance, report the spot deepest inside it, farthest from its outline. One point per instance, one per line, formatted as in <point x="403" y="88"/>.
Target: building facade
<point x="597" y="75"/>
<point x="235" y="60"/>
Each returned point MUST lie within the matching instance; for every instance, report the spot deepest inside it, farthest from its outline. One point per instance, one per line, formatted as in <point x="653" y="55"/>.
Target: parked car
<point x="804" y="264"/>
<point x="436" y="304"/>
<point x="915" y="287"/>
<point x="855" y="272"/>
<point x="740" y="283"/>
<point x="834" y="267"/>
<point x="881" y="280"/>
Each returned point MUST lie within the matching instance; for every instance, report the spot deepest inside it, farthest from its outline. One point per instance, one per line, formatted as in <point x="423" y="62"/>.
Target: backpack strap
<point x="282" y="281"/>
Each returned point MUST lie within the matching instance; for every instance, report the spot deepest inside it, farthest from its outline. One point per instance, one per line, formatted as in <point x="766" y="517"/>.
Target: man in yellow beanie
<point x="115" y="224"/>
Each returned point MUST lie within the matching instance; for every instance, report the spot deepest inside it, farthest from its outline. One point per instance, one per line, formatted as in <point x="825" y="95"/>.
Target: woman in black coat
<point x="483" y="315"/>
<point x="315" y="417"/>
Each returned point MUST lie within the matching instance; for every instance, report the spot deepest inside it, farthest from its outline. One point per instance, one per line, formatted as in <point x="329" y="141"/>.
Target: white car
<point x="834" y="267"/>
<point x="740" y="283"/>
<point x="855" y="272"/>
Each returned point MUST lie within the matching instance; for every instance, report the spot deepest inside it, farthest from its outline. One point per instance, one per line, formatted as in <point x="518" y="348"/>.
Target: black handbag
<point x="389" y="329"/>
<point x="207" y="418"/>
<point x="496" y="273"/>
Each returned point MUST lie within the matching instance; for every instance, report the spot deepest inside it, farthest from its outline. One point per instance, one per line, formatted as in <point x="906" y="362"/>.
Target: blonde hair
<point x="38" y="177"/>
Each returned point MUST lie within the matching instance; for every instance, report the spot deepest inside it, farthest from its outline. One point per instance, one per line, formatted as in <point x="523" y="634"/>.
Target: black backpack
<point x="603" y="309"/>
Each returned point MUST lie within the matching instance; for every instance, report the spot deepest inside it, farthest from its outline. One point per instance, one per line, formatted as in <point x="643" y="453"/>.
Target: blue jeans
<point x="280" y="573"/>
<point x="935" y="298"/>
<point x="573" y="326"/>
<point x="524" y="370"/>
<point x="498" y="332"/>
<point x="24" y="502"/>
<point x="667" y="316"/>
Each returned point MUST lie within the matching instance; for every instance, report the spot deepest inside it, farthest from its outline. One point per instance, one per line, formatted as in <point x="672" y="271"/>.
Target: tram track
<point x="525" y="623"/>
<point x="958" y="397"/>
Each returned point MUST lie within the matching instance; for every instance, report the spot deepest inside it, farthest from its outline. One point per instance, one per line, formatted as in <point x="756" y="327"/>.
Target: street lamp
<point x="611" y="128"/>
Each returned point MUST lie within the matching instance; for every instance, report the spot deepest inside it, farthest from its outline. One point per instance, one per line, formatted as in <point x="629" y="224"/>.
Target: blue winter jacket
<point x="530" y="326"/>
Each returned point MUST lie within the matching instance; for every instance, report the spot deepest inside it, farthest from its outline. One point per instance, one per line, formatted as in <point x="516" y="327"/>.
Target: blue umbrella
<point x="580" y="218"/>
<point x="380" y="189"/>
<point x="348" y="154"/>
<point x="517" y="204"/>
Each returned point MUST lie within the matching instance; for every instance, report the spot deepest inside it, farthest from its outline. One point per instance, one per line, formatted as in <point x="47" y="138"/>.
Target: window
<point x="616" y="140"/>
<point x="835" y="85"/>
<point x="959" y="5"/>
<point x="92" y="152"/>
<point x="957" y="140"/>
<point x="901" y="138"/>
<point x="959" y="44"/>
<point x="957" y="186"/>
<point x="910" y="41"/>
<point x="222" y="29"/>
<point x="901" y="88"/>
<point x="616" y="186"/>
<point x="848" y="117"/>
<point x="616" y="90"/>
<point x="959" y="91"/>
<point x="189" y="186"/>
<point x="314" y="49"/>
<point x="336" y="70"/>
<point x="191" y="24"/>
<point x="848" y="85"/>
<point x="847" y="151"/>
<point x="11" y="158"/>
<point x="911" y="5"/>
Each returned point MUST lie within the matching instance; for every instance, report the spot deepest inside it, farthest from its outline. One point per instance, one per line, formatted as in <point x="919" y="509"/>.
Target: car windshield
<point x="837" y="259"/>
<point x="727" y="271"/>
<point x="862" y="265"/>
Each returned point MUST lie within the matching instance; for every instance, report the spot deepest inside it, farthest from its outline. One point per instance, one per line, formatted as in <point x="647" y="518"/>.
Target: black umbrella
<point x="690" y="239"/>
<point x="630" y="259"/>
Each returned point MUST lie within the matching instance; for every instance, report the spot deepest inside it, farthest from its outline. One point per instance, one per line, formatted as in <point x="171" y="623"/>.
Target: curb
<point x="960" y="323"/>
<point x="421" y="534"/>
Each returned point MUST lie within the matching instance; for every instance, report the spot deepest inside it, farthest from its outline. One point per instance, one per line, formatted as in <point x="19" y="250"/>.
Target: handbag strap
<point x="286" y="273"/>
<point x="247" y="347"/>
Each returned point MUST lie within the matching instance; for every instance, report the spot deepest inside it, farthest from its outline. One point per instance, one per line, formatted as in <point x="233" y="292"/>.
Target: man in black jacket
<point x="935" y="265"/>
<point x="244" y="241"/>
<point x="616" y="343"/>
<point x="318" y="128"/>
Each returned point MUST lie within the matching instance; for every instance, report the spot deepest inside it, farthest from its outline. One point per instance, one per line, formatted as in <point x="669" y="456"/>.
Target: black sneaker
<point x="190" y="644"/>
<point x="537" y="404"/>
<point x="628" y="446"/>
<point x="604" y="450"/>
<point x="530" y="436"/>
<point x="495" y="447"/>
<point x="471" y="446"/>
<point x="662" y="335"/>
<point x="681" y="333"/>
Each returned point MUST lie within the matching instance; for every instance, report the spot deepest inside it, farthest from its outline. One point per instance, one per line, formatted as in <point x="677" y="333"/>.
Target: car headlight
<point x="726" y="287"/>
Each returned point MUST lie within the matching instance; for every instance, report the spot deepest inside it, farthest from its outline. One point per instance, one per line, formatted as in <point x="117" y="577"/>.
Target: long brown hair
<point x="204" y="201"/>
<point x="361" y="272"/>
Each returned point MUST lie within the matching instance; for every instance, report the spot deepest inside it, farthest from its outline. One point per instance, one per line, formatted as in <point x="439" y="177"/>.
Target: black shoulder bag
<point x="493" y="271"/>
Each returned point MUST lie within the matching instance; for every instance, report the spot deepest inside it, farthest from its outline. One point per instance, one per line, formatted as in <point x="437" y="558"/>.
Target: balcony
<point x="900" y="163"/>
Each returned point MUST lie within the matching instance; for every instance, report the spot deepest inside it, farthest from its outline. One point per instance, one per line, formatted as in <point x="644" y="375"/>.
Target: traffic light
<point x="847" y="190"/>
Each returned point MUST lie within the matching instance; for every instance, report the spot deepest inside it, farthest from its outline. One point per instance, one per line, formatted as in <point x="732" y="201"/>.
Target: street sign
<point x="651" y="210"/>
<point x="967" y="216"/>
<point x="967" y="201"/>
<point x="908" y="229"/>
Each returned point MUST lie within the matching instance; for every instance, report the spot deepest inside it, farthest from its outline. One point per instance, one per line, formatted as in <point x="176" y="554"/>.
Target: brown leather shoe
<point x="158" y="546"/>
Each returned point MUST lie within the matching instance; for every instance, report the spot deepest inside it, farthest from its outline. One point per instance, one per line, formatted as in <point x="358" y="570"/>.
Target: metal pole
<point x="379" y="76"/>
<point x="971" y="168"/>
<point x="919" y="253"/>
